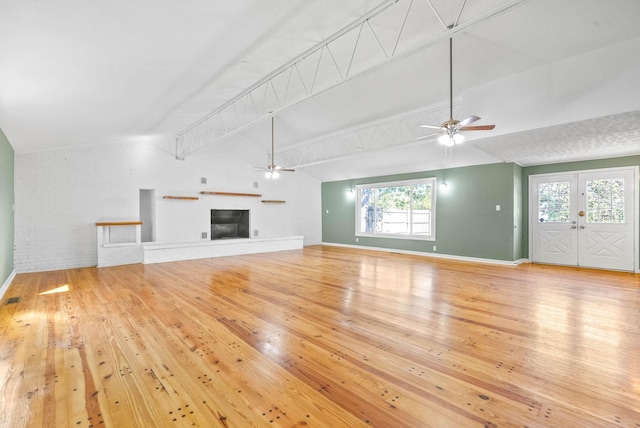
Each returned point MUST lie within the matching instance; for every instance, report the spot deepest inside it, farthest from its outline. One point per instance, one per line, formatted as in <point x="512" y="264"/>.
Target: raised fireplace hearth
<point x="229" y="224"/>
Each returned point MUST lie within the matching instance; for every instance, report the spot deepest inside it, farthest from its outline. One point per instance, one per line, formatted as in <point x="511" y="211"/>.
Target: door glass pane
<point x="554" y="202"/>
<point x="605" y="200"/>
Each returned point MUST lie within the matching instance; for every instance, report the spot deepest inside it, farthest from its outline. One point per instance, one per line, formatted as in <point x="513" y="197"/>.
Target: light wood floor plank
<point x="322" y="337"/>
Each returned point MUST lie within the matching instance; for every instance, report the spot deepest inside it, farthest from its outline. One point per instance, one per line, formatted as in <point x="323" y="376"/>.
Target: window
<point x="554" y="202"/>
<point x="605" y="200"/>
<point x="404" y="209"/>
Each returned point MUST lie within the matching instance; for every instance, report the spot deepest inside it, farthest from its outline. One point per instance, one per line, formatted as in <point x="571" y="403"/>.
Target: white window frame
<point x="431" y="237"/>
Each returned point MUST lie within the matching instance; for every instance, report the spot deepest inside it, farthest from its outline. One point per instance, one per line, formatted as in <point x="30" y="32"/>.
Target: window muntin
<point x="403" y="209"/>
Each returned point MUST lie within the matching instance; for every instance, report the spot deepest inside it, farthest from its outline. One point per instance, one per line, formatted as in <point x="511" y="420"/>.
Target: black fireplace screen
<point x="227" y="224"/>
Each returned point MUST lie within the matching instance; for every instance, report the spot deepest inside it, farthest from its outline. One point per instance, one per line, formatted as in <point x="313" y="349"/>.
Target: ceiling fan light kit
<point x="451" y="140"/>
<point x="272" y="174"/>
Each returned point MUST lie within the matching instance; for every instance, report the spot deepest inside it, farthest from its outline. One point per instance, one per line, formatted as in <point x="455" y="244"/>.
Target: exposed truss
<point x="389" y="32"/>
<point x="391" y="132"/>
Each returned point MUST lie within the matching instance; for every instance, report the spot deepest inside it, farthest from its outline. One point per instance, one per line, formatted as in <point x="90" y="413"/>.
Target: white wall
<point x="60" y="194"/>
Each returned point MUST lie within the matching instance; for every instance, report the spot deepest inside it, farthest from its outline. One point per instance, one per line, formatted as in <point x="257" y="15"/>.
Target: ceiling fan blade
<point x="431" y="126"/>
<point x="465" y="122"/>
<point x="478" y="128"/>
<point x="278" y="168"/>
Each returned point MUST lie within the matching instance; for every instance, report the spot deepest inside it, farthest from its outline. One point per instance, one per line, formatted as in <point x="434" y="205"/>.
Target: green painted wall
<point x="6" y="208"/>
<point x="563" y="167"/>
<point x="467" y="223"/>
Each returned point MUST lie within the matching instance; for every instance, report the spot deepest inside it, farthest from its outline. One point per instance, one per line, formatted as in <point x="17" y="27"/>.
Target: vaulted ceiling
<point x="348" y="82"/>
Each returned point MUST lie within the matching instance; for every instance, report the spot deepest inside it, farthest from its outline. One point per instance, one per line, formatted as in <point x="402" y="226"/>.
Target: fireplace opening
<point x="228" y="224"/>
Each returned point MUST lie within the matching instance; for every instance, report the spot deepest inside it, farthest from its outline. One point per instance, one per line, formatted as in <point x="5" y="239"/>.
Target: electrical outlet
<point x="357" y="239"/>
<point x="434" y="248"/>
<point x="255" y="232"/>
<point x="203" y="180"/>
<point x="204" y="235"/>
<point x="255" y="185"/>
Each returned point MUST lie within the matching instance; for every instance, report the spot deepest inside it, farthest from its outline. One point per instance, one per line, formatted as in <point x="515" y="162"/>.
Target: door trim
<point x="532" y="211"/>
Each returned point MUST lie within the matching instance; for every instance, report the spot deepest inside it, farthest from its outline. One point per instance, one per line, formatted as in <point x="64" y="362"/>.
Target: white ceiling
<point x="558" y="78"/>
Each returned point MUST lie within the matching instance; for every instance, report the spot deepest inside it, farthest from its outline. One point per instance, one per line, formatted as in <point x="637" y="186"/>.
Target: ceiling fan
<point x="272" y="171"/>
<point x="451" y="128"/>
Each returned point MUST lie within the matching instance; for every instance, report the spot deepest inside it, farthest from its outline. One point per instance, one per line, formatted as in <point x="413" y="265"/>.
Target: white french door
<point x="585" y="218"/>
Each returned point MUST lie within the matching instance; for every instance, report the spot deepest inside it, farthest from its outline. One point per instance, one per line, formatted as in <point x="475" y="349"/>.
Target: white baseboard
<point x="434" y="255"/>
<point x="7" y="283"/>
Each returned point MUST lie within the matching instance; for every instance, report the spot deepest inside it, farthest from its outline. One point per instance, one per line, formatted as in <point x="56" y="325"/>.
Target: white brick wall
<point x="60" y="194"/>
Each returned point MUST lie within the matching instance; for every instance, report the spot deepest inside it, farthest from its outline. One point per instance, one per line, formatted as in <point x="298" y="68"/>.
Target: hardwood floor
<point x="321" y="337"/>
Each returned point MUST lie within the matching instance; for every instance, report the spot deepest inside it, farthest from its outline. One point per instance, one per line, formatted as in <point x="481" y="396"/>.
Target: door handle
<point x="574" y="226"/>
<point x="581" y="227"/>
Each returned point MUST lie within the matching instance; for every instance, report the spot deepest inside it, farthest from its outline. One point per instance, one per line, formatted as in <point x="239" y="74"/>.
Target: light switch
<point x="497" y="207"/>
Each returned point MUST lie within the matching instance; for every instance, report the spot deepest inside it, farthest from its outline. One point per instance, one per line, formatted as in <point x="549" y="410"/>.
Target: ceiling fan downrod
<point x="451" y="79"/>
